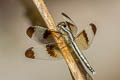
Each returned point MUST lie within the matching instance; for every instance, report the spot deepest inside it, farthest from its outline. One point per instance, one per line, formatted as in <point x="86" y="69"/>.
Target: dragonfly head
<point x="63" y="27"/>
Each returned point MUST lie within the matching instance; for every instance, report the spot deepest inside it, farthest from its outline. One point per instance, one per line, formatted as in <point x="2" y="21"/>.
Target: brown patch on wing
<point x="72" y="27"/>
<point x="50" y="49"/>
<point x="66" y="16"/>
<point x="30" y="31"/>
<point x="29" y="53"/>
<point x="85" y="36"/>
<point x="93" y="28"/>
<point x="46" y="34"/>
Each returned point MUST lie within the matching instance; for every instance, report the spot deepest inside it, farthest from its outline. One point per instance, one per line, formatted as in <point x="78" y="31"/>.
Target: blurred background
<point x="17" y="15"/>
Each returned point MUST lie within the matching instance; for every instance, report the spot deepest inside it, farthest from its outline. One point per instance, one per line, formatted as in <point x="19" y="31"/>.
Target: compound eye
<point x="61" y="24"/>
<point x="64" y="25"/>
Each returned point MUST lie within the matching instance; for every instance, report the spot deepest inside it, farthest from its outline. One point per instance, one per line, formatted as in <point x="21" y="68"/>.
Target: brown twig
<point x="73" y="66"/>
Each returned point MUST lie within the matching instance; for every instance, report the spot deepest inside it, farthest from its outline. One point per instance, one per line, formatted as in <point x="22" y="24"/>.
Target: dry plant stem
<point x="65" y="51"/>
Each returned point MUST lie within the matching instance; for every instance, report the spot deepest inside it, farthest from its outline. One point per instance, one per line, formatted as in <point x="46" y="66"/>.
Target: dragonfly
<point x="77" y="41"/>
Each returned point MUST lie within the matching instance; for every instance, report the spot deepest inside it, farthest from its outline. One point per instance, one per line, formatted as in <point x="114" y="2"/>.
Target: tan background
<point x="104" y="53"/>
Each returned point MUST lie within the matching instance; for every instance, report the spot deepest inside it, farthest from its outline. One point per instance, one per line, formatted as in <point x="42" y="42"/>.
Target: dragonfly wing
<point x="40" y="34"/>
<point x="84" y="39"/>
<point x="70" y="23"/>
<point x="50" y="52"/>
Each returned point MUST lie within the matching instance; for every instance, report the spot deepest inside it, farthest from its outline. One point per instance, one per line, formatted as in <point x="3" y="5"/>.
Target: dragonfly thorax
<point x="63" y="27"/>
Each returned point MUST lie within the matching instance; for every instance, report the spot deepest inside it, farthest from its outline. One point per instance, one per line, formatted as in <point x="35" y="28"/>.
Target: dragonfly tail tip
<point x="94" y="73"/>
